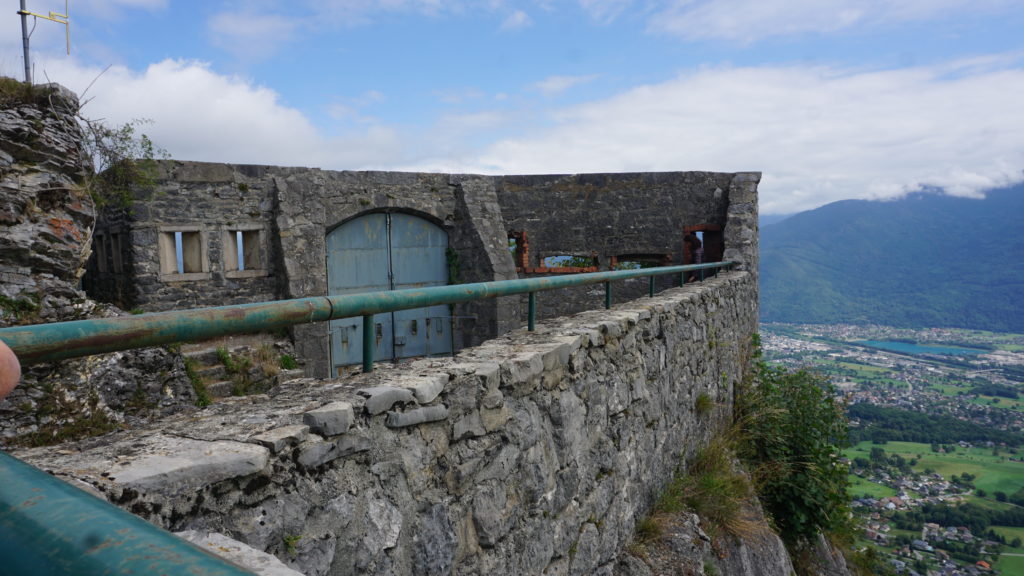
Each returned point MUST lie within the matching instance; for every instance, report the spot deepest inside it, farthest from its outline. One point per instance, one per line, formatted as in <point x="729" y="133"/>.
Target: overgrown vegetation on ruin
<point x="793" y="432"/>
<point x="59" y="419"/>
<point x="713" y="487"/>
<point x="123" y="157"/>
<point x="15" y="92"/>
<point x="788" y="432"/>
<point x="125" y="160"/>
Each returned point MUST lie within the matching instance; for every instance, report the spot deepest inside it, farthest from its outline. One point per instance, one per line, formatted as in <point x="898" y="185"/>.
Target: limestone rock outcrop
<point x="46" y="224"/>
<point x="46" y="213"/>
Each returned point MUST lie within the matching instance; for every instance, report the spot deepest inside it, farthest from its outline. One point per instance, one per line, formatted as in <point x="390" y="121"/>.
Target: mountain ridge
<point x="926" y="260"/>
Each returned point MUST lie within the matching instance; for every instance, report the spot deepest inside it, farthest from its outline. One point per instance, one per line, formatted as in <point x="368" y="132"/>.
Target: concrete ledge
<point x="173" y="465"/>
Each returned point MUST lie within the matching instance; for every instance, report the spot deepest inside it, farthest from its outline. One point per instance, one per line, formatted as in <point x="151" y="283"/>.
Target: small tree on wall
<point x="795" y="430"/>
<point x="123" y="158"/>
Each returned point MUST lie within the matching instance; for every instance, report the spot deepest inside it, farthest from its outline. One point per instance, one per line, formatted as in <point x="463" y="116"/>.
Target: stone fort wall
<point x="287" y="213"/>
<point x="531" y="453"/>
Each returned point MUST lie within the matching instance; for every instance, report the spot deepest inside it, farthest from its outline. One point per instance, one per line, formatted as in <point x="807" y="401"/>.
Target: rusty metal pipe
<point x="61" y="340"/>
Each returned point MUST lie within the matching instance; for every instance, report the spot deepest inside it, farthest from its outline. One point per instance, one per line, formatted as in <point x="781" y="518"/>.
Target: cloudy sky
<point x="830" y="99"/>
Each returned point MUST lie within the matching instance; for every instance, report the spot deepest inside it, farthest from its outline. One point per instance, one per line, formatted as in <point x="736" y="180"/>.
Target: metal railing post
<point x="531" y="314"/>
<point x="650" y="287"/>
<point x="369" y="341"/>
<point x="607" y="295"/>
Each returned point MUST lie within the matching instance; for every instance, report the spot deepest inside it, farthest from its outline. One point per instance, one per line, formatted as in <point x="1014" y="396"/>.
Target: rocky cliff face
<point x="46" y="224"/>
<point x="46" y="213"/>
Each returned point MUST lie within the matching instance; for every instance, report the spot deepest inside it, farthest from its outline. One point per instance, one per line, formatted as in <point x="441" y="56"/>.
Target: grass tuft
<point x="704" y="404"/>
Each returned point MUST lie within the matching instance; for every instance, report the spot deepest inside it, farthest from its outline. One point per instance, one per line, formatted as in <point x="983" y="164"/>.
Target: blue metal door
<point x="388" y="252"/>
<point x="418" y="260"/>
<point x="357" y="261"/>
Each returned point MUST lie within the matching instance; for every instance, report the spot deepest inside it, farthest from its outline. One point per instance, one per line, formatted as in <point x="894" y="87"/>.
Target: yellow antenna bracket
<point x="58" y="18"/>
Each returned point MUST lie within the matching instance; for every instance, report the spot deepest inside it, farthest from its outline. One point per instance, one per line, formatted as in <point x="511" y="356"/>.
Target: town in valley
<point x="937" y="423"/>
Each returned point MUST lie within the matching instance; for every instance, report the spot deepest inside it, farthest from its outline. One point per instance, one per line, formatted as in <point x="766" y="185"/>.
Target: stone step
<point x="210" y="356"/>
<point x="215" y="372"/>
<point x="203" y="356"/>
<point x="220" y="389"/>
<point x="286" y="375"/>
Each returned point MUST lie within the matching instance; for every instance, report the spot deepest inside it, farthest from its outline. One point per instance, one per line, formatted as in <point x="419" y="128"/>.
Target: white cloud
<point x="198" y="114"/>
<point x="517" y="20"/>
<point x="351" y="109"/>
<point x="458" y="95"/>
<point x="555" y="85"/>
<point x="751" y="20"/>
<point x="251" y="35"/>
<point x="818" y="134"/>
<point x="358" y="12"/>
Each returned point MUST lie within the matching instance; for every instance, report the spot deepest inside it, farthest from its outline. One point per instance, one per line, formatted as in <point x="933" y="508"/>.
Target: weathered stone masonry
<point x="286" y="214"/>
<point x="532" y="453"/>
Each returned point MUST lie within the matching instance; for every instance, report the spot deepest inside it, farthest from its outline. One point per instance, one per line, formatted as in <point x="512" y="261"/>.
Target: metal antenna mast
<point x="53" y="17"/>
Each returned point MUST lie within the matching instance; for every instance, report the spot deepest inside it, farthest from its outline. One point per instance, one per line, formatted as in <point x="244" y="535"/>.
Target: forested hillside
<point x="922" y="261"/>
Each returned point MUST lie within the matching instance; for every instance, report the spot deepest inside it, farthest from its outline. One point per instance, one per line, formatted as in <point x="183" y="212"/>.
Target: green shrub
<point x="288" y="362"/>
<point x="647" y="530"/>
<point x="713" y="488"/>
<point x="794" y="431"/>
<point x="125" y="161"/>
<point x="290" y="543"/>
<point x="24" y="308"/>
<point x="202" y="394"/>
<point x="230" y="366"/>
<point x="704" y="404"/>
<point x="15" y="92"/>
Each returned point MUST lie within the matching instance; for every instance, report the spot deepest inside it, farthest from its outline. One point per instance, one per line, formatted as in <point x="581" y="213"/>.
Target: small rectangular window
<point x="243" y="251"/>
<point x="183" y="254"/>
<point x="519" y="248"/>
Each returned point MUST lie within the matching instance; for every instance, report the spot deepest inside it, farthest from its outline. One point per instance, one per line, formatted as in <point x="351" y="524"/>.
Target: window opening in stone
<point x="242" y="250"/>
<point x="638" y="261"/>
<point x="181" y="252"/>
<point x="709" y="246"/>
<point x="519" y="248"/>
<point x="570" y="261"/>
<point x="703" y="243"/>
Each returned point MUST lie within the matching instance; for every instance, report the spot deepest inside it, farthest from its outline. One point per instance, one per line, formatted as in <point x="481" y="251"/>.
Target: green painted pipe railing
<point x="50" y="527"/>
<point x="62" y="340"/>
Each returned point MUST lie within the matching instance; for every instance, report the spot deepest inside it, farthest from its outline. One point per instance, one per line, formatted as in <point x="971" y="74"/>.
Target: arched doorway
<point x="388" y="251"/>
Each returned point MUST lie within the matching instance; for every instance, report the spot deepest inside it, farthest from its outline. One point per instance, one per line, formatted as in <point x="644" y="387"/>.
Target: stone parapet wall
<point x="613" y="215"/>
<point x="532" y="453"/>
